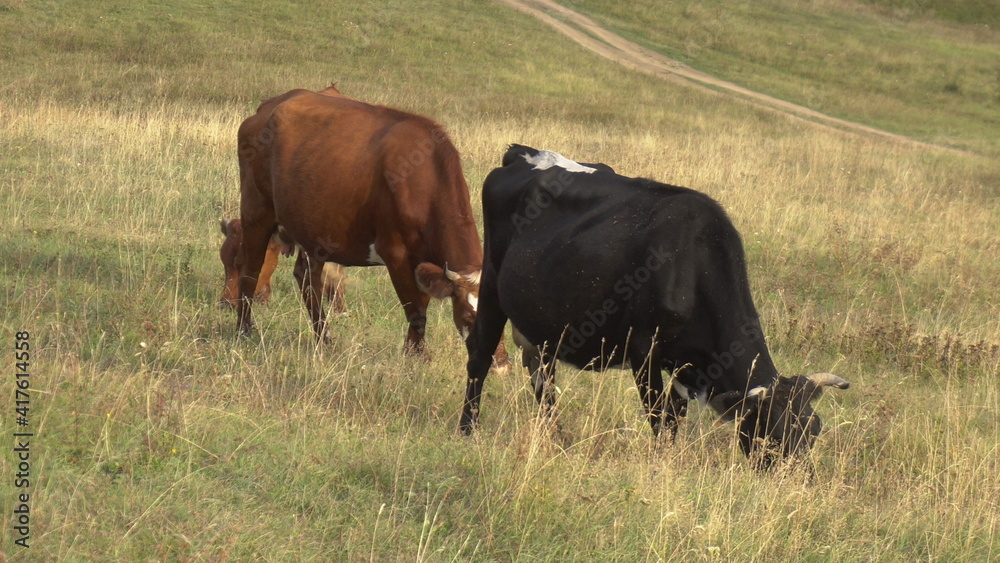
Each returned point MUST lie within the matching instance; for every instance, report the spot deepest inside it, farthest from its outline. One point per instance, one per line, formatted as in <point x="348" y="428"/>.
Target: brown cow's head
<point x="462" y="288"/>
<point x="779" y="421"/>
<point x="233" y="229"/>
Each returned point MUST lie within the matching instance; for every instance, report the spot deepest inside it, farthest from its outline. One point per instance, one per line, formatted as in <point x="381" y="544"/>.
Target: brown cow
<point x="360" y="185"/>
<point x="334" y="276"/>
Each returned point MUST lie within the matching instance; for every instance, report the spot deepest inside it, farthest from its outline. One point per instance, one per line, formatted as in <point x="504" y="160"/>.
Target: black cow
<point x="598" y="269"/>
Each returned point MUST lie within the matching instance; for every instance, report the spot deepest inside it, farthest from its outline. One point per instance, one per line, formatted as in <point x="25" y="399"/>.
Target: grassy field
<point x="161" y="435"/>
<point x="928" y="69"/>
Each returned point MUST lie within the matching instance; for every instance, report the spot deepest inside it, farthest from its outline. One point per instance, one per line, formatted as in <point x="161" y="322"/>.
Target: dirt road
<point x="591" y="35"/>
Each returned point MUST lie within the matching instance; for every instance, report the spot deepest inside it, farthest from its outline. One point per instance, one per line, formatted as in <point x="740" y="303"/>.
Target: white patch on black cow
<point x="690" y="393"/>
<point x="547" y="159"/>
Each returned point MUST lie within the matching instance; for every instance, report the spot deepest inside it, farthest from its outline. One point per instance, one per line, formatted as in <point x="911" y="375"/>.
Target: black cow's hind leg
<point x="542" y="369"/>
<point x="543" y="380"/>
<point x="646" y="361"/>
<point x="674" y="410"/>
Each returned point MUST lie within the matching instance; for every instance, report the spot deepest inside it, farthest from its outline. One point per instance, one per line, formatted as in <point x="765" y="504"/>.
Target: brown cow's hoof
<point x="420" y="355"/>
<point x="415" y="349"/>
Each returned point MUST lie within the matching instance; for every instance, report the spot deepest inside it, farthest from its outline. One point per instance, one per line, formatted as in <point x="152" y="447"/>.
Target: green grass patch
<point x="927" y="70"/>
<point x="162" y="435"/>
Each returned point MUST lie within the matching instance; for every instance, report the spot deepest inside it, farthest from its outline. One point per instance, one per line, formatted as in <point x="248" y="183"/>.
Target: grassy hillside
<point x="161" y="435"/>
<point x="925" y="69"/>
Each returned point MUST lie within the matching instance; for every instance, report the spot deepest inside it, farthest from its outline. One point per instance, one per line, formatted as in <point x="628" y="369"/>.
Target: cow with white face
<point x="462" y="289"/>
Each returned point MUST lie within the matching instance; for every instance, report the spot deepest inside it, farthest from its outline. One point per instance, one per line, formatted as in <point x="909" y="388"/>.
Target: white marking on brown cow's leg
<point x="547" y="159"/>
<point x="373" y="257"/>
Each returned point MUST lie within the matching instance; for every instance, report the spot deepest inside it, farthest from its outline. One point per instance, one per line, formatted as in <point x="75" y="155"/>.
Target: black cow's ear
<point x="732" y="407"/>
<point x="514" y="150"/>
<point x="432" y="280"/>
<point x="726" y="404"/>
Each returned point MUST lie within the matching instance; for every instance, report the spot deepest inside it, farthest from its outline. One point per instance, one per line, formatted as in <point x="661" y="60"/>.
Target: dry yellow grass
<point x="163" y="436"/>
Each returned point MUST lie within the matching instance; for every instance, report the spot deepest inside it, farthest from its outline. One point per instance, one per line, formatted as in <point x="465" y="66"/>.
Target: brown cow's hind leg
<point x="309" y="273"/>
<point x="334" y="286"/>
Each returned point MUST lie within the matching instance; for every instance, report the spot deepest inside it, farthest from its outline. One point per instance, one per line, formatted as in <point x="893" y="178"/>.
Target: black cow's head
<point x="778" y="421"/>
